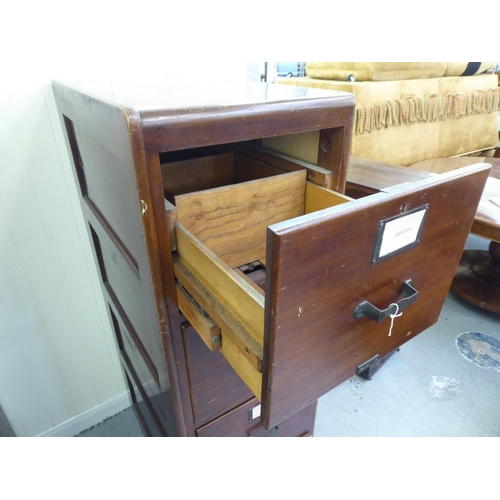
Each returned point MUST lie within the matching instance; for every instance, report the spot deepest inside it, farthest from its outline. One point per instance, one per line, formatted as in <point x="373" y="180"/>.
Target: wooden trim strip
<point x="318" y="175"/>
<point x="129" y="258"/>
<point x="246" y="304"/>
<point x="318" y="198"/>
<point x="133" y="334"/>
<point x="240" y="364"/>
<point x="248" y="345"/>
<point x="205" y="326"/>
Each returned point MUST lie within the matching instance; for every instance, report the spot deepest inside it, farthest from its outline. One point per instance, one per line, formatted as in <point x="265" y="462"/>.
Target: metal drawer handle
<point x="367" y="310"/>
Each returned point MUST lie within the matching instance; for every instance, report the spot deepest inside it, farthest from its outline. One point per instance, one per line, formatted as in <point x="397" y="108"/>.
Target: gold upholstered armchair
<point x="409" y="112"/>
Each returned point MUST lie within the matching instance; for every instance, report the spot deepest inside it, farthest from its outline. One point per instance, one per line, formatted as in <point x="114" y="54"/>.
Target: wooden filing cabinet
<point x="241" y="283"/>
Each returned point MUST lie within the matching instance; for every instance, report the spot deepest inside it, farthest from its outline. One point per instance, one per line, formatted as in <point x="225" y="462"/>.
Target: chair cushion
<point x="386" y="71"/>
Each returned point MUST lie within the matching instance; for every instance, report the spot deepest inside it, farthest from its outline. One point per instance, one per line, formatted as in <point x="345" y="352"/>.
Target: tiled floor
<point x="428" y="388"/>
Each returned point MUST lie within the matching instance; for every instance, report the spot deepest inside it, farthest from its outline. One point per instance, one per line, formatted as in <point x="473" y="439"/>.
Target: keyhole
<point x="403" y="207"/>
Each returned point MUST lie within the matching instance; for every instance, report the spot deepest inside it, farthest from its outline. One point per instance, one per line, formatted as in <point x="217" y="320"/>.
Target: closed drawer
<point x="214" y="385"/>
<point x="240" y="422"/>
<point x="336" y="270"/>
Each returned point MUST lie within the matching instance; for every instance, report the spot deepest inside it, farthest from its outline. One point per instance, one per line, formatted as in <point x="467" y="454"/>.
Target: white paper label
<point x="401" y="232"/>
<point x="255" y="412"/>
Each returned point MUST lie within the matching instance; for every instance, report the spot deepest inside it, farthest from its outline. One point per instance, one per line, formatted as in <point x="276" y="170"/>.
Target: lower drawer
<point x="244" y="422"/>
<point x="214" y="386"/>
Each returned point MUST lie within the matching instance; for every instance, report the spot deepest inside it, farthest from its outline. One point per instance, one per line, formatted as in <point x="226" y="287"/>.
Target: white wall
<point x="59" y="372"/>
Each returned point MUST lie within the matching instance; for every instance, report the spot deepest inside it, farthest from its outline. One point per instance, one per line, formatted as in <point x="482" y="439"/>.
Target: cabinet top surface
<point x="174" y="95"/>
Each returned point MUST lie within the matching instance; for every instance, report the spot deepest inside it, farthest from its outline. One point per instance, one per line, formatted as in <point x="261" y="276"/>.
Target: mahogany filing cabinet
<point x="241" y="283"/>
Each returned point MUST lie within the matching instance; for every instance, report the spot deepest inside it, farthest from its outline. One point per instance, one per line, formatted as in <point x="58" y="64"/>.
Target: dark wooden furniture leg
<point x="368" y="372"/>
<point x="478" y="277"/>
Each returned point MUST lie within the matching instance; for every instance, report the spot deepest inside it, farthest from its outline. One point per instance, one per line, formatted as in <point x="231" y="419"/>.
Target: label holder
<point x="387" y="239"/>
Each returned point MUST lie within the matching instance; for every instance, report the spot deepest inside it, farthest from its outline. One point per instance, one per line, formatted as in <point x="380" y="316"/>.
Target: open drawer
<point x="298" y="285"/>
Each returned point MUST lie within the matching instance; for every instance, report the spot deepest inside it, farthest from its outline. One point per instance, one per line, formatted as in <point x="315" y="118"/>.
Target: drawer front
<point x="321" y="267"/>
<point x="241" y="423"/>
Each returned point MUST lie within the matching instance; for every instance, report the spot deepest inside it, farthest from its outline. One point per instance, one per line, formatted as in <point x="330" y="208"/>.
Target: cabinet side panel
<point x="100" y="144"/>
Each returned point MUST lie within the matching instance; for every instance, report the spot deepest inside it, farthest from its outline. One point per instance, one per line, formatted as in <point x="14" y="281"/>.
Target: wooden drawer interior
<point x="206" y="172"/>
<point x="205" y="168"/>
<point x="220" y="257"/>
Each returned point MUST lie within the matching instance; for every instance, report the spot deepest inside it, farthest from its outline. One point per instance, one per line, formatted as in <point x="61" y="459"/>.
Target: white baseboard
<point x="92" y="417"/>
